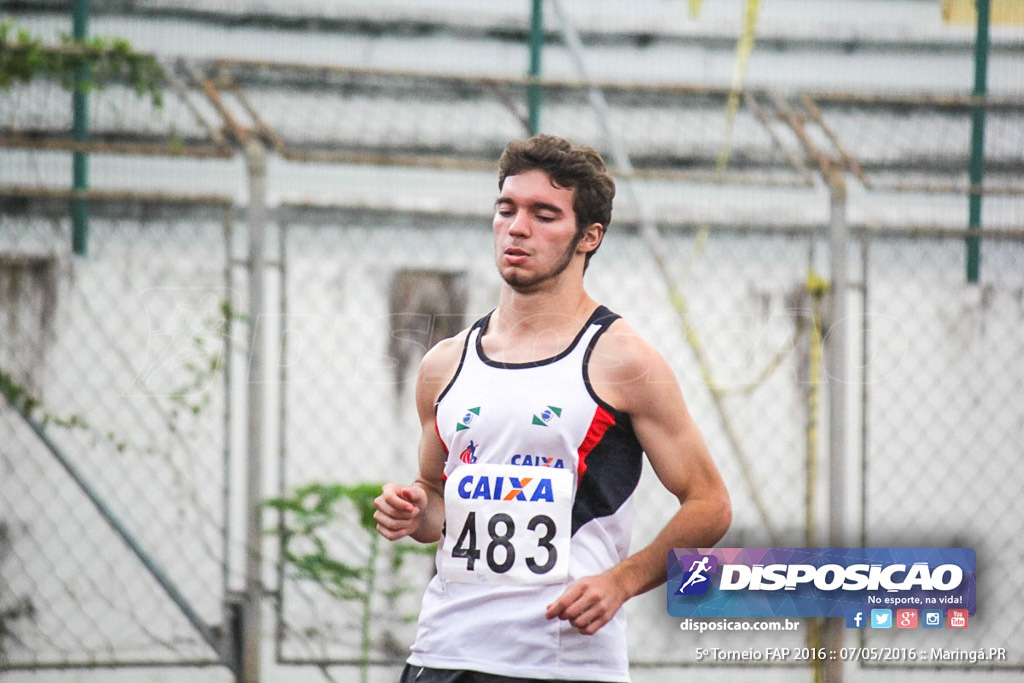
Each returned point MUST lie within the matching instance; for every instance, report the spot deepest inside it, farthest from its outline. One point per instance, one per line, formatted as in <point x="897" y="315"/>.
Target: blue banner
<point x="819" y="582"/>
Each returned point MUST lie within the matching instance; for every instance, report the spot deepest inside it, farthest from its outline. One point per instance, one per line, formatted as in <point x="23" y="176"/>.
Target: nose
<point x="520" y="224"/>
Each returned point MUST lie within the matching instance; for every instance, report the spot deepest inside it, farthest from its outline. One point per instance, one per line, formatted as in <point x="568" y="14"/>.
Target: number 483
<point x="500" y="553"/>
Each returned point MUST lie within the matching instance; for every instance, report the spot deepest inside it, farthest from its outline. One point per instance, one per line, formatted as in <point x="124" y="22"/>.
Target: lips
<point x="515" y="255"/>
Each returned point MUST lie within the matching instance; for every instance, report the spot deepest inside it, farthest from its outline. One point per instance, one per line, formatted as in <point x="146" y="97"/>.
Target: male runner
<point x="534" y="424"/>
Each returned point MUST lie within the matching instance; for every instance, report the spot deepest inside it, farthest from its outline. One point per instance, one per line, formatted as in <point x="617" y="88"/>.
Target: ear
<point x="591" y="239"/>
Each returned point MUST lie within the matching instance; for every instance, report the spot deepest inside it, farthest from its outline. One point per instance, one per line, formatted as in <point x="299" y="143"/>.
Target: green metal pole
<point x="533" y="92"/>
<point x="977" y="169"/>
<point x="80" y="132"/>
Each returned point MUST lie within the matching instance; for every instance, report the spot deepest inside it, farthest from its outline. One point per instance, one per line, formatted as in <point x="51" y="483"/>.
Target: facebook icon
<point x="855" y="619"/>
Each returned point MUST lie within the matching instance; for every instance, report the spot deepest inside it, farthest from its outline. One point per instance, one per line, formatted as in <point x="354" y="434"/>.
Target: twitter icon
<point x="881" y="618"/>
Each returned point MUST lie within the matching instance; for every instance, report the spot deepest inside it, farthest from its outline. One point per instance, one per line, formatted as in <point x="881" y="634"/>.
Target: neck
<point x="563" y="308"/>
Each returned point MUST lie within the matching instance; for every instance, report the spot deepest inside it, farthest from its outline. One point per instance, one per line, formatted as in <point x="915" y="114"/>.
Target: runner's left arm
<point x="642" y="384"/>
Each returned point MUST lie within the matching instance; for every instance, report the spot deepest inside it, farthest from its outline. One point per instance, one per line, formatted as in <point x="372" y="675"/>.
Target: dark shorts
<point x="421" y="674"/>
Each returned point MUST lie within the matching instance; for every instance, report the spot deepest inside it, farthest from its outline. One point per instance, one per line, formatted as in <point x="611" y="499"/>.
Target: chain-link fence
<point x="942" y="416"/>
<point x="114" y="434"/>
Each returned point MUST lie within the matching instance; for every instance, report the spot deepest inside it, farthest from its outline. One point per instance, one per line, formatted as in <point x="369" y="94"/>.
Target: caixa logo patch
<point x="697" y="575"/>
<point x="527" y="489"/>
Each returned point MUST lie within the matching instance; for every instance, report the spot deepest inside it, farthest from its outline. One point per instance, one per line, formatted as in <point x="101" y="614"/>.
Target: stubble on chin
<point x="524" y="283"/>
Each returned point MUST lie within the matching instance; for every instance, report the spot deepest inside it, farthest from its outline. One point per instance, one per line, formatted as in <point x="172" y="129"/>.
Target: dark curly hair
<point x="569" y="166"/>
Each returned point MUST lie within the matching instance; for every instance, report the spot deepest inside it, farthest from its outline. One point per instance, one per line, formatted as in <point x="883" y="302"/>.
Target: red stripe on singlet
<point x="600" y="423"/>
<point x="437" y="430"/>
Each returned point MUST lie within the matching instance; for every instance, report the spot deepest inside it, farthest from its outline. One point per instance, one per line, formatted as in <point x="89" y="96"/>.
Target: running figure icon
<point x="697" y="570"/>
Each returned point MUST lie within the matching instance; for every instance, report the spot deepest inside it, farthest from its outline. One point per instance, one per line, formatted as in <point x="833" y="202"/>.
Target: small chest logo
<point x="469" y="454"/>
<point x="467" y="419"/>
<point x="547" y="415"/>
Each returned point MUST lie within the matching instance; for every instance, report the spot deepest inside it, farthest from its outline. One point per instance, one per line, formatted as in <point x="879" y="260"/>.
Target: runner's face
<point x="535" y="237"/>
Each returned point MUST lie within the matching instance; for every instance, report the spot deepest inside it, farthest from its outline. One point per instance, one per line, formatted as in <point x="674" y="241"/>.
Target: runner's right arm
<point x="417" y="510"/>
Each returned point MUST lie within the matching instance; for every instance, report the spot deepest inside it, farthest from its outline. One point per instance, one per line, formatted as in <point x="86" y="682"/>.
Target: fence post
<point x="977" y="166"/>
<point x="533" y="91"/>
<point x="835" y="354"/>
<point x="80" y="133"/>
<point x="256" y="159"/>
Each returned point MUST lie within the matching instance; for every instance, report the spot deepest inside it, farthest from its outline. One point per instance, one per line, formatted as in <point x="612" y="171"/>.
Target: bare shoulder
<point x="438" y="367"/>
<point x="627" y="371"/>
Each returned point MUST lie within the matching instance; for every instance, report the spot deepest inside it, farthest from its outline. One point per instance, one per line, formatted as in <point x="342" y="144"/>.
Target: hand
<point x="398" y="510"/>
<point x="589" y="603"/>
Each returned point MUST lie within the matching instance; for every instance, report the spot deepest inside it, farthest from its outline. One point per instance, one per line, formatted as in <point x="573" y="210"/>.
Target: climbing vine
<point x="82" y="65"/>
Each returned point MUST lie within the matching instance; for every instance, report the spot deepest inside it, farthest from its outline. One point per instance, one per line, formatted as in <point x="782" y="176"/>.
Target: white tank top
<point x="539" y="482"/>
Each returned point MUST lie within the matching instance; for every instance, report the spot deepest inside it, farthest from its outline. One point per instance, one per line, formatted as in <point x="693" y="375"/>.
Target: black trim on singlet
<point x="612" y="473"/>
<point x="605" y="320"/>
<point x="614" y="465"/>
<point x="602" y="316"/>
<point x="599" y="314"/>
<point x="462" y="361"/>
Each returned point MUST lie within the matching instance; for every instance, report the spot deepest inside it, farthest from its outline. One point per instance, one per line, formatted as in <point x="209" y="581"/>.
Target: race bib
<point x="507" y="524"/>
